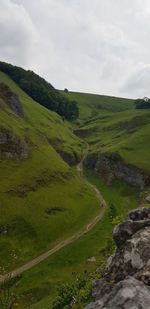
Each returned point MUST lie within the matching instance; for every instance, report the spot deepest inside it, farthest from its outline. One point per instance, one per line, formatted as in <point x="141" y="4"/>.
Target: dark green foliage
<point x="112" y="211"/>
<point x="142" y="103"/>
<point x="41" y="91"/>
<point x="73" y="295"/>
<point x="8" y="297"/>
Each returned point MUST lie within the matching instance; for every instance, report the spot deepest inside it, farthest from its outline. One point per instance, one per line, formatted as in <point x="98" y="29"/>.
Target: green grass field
<point x="43" y="199"/>
<point x="91" y="105"/>
<point x="126" y="133"/>
<point x="72" y="261"/>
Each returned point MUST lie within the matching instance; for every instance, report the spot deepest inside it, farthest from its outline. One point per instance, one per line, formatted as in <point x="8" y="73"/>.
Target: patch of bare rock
<point x="11" y="99"/>
<point x="126" y="283"/>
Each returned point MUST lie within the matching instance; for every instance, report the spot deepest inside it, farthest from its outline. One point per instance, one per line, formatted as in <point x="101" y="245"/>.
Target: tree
<point x="41" y="91"/>
<point x="142" y="103"/>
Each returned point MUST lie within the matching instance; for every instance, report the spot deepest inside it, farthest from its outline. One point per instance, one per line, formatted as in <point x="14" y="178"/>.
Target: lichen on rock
<point x="126" y="283"/>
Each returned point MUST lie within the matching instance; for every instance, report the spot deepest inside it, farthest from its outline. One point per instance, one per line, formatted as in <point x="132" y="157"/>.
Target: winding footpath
<point x="18" y="271"/>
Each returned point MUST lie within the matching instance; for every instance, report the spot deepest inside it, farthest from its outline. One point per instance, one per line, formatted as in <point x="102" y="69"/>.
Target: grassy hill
<point x="111" y="124"/>
<point x="42" y="198"/>
<point x="125" y="133"/>
<point x="92" y="104"/>
<point x="41" y="91"/>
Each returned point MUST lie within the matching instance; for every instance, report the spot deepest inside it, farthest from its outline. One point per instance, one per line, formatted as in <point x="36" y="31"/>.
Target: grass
<point x="126" y="133"/>
<point x="72" y="261"/>
<point x="29" y="187"/>
<point x="113" y="124"/>
<point x="43" y="200"/>
<point x="90" y="105"/>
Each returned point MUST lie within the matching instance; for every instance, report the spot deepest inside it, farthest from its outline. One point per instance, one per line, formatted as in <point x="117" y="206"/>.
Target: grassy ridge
<point x="92" y="104"/>
<point x="42" y="199"/>
<point x="40" y="90"/>
<point x="112" y="124"/>
<point x="126" y="133"/>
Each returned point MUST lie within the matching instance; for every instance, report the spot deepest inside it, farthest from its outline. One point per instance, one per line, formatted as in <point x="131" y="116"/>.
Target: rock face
<point x="126" y="283"/>
<point x="127" y="294"/>
<point x="70" y="158"/>
<point x="111" y="167"/>
<point x="11" y="99"/>
<point x="12" y="147"/>
<point x="148" y="198"/>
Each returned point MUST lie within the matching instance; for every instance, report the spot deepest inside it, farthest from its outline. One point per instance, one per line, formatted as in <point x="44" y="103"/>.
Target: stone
<point x="11" y="99"/>
<point x="12" y="147"/>
<point x="125" y="230"/>
<point x="126" y="282"/>
<point x="127" y="294"/>
<point x="110" y="166"/>
<point x="92" y="259"/>
<point x="138" y="214"/>
<point x="148" y="198"/>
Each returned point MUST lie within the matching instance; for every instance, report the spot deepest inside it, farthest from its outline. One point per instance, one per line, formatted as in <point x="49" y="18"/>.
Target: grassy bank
<point x="73" y="260"/>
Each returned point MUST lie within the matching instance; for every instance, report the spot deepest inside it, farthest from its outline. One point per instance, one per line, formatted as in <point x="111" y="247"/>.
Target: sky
<point x="98" y="46"/>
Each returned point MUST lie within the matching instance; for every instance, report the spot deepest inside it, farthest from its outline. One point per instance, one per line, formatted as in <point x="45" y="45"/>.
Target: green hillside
<point x="92" y="104"/>
<point x="111" y="124"/>
<point x="125" y="133"/>
<point x="41" y="91"/>
<point x="42" y="199"/>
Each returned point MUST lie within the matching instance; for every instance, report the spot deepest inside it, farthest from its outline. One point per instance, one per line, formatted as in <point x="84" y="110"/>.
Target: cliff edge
<point x="126" y="283"/>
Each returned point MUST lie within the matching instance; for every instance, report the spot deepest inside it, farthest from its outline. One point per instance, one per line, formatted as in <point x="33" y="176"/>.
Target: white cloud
<point x="17" y="33"/>
<point x="97" y="46"/>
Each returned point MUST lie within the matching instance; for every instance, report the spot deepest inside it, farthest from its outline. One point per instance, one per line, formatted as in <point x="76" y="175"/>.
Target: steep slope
<point x="41" y="91"/>
<point x="120" y="138"/>
<point x="126" y="283"/>
<point x="39" y="191"/>
<point x="43" y="200"/>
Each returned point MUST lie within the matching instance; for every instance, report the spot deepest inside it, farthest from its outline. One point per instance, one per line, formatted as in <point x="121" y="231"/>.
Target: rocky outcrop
<point x="110" y="166"/>
<point x="11" y="99"/>
<point x="148" y="199"/>
<point x="126" y="283"/>
<point x="12" y="147"/>
<point x="70" y="158"/>
<point x="5" y="228"/>
<point x="127" y="294"/>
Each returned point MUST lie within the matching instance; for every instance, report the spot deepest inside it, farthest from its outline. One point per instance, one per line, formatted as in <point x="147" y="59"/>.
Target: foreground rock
<point x="127" y="294"/>
<point x="126" y="283"/>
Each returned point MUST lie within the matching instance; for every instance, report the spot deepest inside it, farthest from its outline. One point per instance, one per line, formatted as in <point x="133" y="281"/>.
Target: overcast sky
<point x="98" y="46"/>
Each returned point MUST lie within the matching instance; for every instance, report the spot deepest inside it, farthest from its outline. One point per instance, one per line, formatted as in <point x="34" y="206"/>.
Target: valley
<point x="64" y="183"/>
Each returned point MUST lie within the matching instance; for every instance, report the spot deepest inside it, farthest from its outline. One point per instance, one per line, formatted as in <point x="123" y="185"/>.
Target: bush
<point x="112" y="212"/>
<point x="75" y="294"/>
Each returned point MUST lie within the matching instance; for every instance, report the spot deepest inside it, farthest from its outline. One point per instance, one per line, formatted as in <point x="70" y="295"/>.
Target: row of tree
<point x="142" y="103"/>
<point x="41" y="91"/>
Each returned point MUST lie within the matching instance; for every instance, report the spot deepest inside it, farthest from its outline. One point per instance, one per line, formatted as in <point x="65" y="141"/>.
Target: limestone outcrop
<point x="12" y="146"/>
<point x="110" y="166"/>
<point x="11" y="99"/>
<point x="126" y="283"/>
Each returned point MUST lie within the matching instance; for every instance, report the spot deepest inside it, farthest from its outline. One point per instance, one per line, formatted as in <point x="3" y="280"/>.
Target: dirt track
<point x="18" y="271"/>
